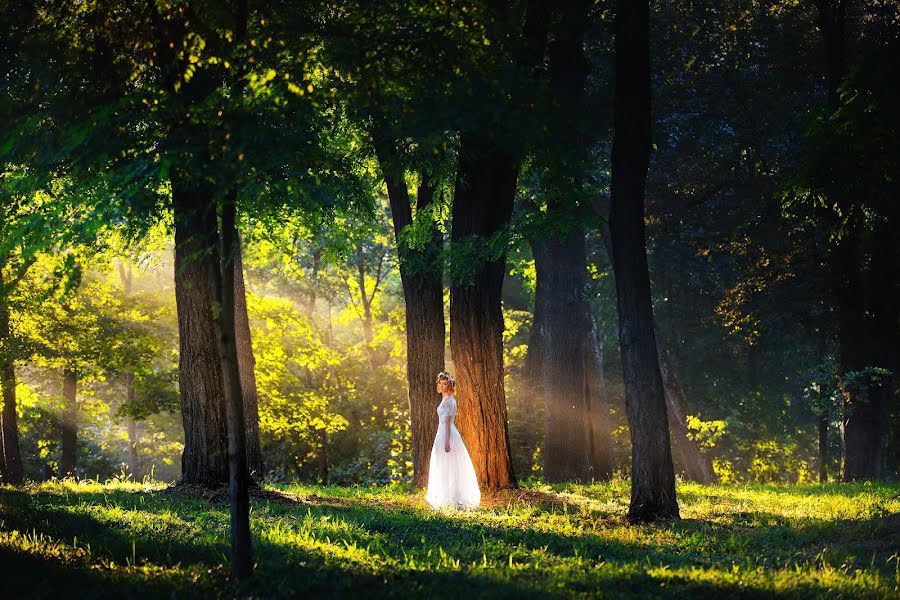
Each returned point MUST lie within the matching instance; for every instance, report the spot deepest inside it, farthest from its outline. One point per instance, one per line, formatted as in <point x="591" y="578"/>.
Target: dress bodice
<point x="447" y="407"/>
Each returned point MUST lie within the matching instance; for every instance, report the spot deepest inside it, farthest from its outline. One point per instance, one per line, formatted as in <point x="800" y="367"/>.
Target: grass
<point x="123" y="539"/>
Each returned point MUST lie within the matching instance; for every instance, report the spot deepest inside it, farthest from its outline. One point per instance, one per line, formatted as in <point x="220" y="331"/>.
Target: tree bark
<point x="9" y="421"/>
<point x="697" y="465"/>
<point x="652" y="475"/>
<point x="423" y="294"/>
<point x="238" y="474"/>
<point x="204" y="460"/>
<point x="482" y="206"/>
<point x="566" y="455"/>
<point x="597" y="395"/>
<point x="246" y="364"/>
<point x="69" y="446"/>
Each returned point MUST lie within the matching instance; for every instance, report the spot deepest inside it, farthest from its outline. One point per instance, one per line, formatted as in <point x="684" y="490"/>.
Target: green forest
<point x="645" y="256"/>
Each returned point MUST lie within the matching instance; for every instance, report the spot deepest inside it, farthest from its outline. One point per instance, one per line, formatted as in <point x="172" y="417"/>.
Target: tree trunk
<point x="238" y="474"/>
<point x="823" y="448"/>
<point x="533" y="377"/>
<point x="652" y="475"/>
<point x="69" y="446"/>
<point x="883" y="277"/>
<point x="127" y="276"/>
<point x="697" y="465"/>
<point x="323" y="457"/>
<point x="131" y="427"/>
<point x="423" y="294"/>
<point x="9" y="421"/>
<point x="566" y="455"/>
<point x="204" y="460"/>
<point x="532" y="393"/>
<point x="482" y="206"/>
<point x="246" y="364"/>
<point x="860" y="423"/>
<point x="599" y="430"/>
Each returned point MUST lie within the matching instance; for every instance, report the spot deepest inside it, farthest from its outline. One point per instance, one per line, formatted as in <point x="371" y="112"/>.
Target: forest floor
<point x="122" y="539"/>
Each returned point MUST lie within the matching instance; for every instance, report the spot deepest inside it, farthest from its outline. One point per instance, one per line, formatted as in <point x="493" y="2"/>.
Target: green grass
<point x="127" y="539"/>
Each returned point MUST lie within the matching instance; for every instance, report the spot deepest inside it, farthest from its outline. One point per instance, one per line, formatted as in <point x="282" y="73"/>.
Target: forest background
<point x="765" y="162"/>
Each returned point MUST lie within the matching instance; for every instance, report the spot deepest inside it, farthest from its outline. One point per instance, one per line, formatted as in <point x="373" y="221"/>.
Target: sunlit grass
<point x="125" y="538"/>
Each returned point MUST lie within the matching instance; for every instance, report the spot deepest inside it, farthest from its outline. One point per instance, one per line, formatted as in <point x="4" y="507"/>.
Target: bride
<point x="451" y="476"/>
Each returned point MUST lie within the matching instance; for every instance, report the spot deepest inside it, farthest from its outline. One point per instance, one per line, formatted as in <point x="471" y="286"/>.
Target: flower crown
<point x="447" y="376"/>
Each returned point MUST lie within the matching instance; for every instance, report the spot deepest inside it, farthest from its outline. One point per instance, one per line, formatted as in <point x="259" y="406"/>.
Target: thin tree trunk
<point x="421" y="276"/>
<point x="482" y="206"/>
<point x="823" y="448"/>
<point x="69" y="446"/>
<point x="204" y="459"/>
<point x="9" y="428"/>
<point x="127" y="276"/>
<point x="534" y="360"/>
<point x="652" y="475"/>
<point x="536" y="357"/>
<point x="238" y="474"/>
<point x="246" y="364"/>
<point x="131" y="427"/>
<point x="599" y="430"/>
<point x="311" y="298"/>
<point x="323" y="457"/>
<point x="697" y="465"/>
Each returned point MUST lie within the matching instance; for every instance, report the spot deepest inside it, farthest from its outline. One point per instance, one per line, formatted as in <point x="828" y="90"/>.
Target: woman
<point x="451" y="476"/>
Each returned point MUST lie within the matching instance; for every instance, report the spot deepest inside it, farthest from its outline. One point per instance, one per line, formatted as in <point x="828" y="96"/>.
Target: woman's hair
<point x="443" y="375"/>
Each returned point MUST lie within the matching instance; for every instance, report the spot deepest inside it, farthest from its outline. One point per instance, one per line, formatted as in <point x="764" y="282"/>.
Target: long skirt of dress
<point x="451" y="477"/>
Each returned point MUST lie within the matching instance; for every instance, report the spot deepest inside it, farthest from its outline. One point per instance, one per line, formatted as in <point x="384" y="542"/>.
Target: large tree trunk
<point x="884" y="336"/>
<point x="566" y="454"/>
<point x="599" y="430"/>
<point x="204" y="460"/>
<point x="482" y="206"/>
<point x="860" y="433"/>
<point x="9" y="426"/>
<point x="246" y="364"/>
<point x="652" y="475"/>
<point x="69" y="446"/>
<point x="697" y="465"/>
<point x="420" y="274"/>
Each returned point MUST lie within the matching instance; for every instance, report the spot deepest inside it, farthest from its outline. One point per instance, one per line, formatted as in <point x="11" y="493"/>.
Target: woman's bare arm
<point x="447" y="433"/>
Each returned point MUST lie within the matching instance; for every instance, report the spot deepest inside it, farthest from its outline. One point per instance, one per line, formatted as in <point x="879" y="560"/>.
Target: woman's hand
<point x="447" y="446"/>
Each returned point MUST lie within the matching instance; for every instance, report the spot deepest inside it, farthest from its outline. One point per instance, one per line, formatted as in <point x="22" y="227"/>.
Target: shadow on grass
<point x="414" y="550"/>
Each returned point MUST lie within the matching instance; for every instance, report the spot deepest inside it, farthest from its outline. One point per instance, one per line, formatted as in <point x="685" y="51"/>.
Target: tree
<point x="421" y="276"/>
<point x="652" y="475"/>
<point x="561" y="264"/>
<point x="238" y="473"/>
<point x="490" y="155"/>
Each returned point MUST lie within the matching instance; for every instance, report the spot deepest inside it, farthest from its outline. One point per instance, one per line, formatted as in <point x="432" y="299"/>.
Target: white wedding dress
<point x="451" y="476"/>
